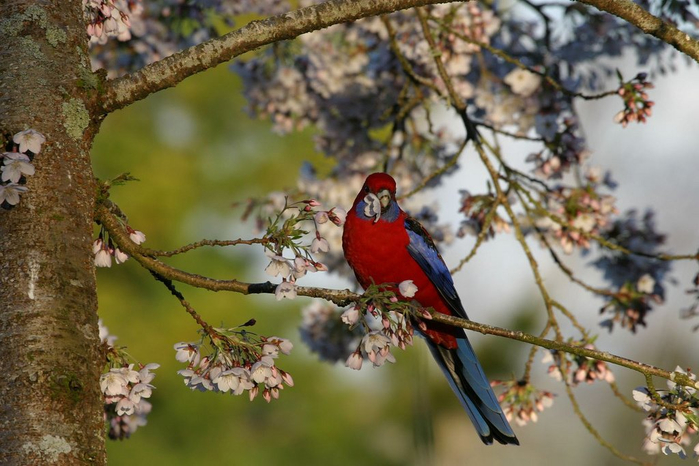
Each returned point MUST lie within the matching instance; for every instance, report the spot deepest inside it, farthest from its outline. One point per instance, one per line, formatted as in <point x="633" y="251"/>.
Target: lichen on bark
<point x="76" y="118"/>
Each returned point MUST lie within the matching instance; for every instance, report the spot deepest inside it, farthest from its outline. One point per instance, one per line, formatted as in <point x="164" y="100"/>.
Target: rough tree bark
<point x="50" y="405"/>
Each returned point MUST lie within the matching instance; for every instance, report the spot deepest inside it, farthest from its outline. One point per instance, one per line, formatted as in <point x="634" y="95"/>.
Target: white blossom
<point x="227" y="380"/>
<point x="119" y="256"/>
<point x="145" y="374"/>
<point x="522" y="82"/>
<point x="338" y="215"/>
<point x="103" y="258"/>
<point x="321" y="217"/>
<point x="187" y="352"/>
<point x="407" y="288"/>
<point x="261" y="370"/>
<point x="354" y="361"/>
<point x="645" y="284"/>
<point x="114" y="383"/>
<point x="670" y="447"/>
<point x="13" y="169"/>
<point x="642" y="397"/>
<point x="129" y="374"/>
<point x="137" y="237"/>
<point x="141" y="390"/>
<point x="125" y="406"/>
<point x="350" y="316"/>
<point x="285" y="290"/>
<point x="10" y="193"/>
<point x="377" y="347"/>
<point x="29" y="140"/>
<point x="284" y="345"/>
<point x="105" y="337"/>
<point x="278" y="265"/>
<point x="319" y="245"/>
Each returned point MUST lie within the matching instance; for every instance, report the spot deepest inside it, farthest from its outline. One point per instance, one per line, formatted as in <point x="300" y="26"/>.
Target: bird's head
<point x="378" y="197"/>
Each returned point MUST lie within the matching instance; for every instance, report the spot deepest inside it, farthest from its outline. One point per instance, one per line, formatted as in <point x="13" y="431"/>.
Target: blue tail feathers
<point x="468" y="381"/>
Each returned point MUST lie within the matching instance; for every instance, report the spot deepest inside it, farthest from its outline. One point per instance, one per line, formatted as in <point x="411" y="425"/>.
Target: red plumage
<point x="378" y="253"/>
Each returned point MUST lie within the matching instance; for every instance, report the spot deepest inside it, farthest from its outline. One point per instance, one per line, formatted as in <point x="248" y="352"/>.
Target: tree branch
<point x="146" y="257"/>
<point x="170" y="71"/>
<point x="646" y="22"/>
<point x="645" y="369"/>
<point x="119" y="236"/>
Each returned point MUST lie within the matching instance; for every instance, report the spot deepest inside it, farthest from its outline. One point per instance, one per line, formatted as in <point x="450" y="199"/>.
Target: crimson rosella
<point x="383" y="245"/>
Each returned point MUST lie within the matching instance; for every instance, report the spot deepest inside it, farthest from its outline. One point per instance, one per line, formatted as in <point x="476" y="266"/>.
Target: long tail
<point x="467" y="379"/>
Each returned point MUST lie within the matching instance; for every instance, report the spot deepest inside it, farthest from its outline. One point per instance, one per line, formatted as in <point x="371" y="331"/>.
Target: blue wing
<point x="425" y="253"/>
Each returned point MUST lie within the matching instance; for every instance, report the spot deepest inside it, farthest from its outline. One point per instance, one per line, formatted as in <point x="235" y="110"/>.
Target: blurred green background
<point x="196" y="153"/>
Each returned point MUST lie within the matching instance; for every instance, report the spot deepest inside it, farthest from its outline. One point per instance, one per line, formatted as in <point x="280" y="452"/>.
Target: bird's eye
<point x="366" y="189"/>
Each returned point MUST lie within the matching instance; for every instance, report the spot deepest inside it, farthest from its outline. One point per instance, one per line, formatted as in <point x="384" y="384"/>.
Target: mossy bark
<point x="50" y="403"/>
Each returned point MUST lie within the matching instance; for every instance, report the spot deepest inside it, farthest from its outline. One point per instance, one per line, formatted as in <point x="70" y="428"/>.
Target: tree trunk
<point x="50" y="403"/>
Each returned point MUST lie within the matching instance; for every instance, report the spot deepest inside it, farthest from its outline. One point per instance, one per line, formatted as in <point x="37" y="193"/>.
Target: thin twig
<point x="519" y="235"/>
<point x="624" y="399"/>
<point x="437" y="172"/>
<point x="532" y="353"/>
<point x="170" y="286"/>
<point x="481" y="236"/>
<point x="205" y="242"/>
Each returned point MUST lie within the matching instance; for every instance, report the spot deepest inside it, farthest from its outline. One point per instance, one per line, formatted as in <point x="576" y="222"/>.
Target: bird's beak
<point x="385" y="199"/>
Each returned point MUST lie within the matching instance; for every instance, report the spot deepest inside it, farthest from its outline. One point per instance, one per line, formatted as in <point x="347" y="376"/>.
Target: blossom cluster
<point x="577" y="213"/>
<point x="637" y="105"/>
<point x="125" y="387"/>
<point x="106" y="18"/>
<point x="147" y="31"/>
<point x="17" y="165"/>
<point x="672" y="422"/>
<point x="638" y="277"/>
<point x="238" y="361"/>
<point x="565" y="147"/>
<point x="521" y="401"/>
<point x="285" y="232"/>
<point x="476" y="208"/>
<point x="104" y="249"/>
<point x="578" y="368"/>
<point x="382" y="315"/>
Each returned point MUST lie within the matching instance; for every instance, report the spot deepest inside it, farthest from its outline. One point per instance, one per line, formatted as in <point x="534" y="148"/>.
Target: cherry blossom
<point x="278" y="265"/>
<point x="29" y="140"/>
<point x="350" y="316"/>
<point x="319" y="245"/>
<point x="354" y="361"/>
<point x="407" y="288"/>
<point x="522" y="82"/>
<point x="15" y="167"/>
<point x="377" y="347"/>
<point x="521" y="402"/>
<point x="285" y="290"/>
<point x="10" y="193"/>
<point x="136" y="236"/>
